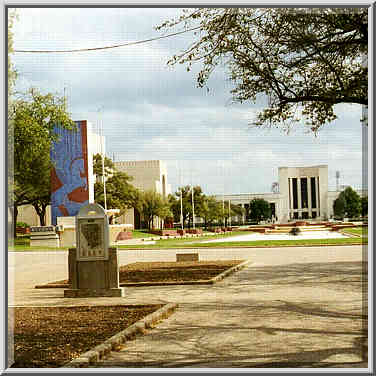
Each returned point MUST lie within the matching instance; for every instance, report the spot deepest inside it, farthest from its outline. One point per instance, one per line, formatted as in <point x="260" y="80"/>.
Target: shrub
<point x="295" y="231"/>
<point x="22" y="224"/>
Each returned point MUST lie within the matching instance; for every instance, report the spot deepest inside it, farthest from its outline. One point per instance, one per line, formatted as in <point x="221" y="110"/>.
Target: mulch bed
<point x="49" y="337"/>
<point x="140" y="272"/>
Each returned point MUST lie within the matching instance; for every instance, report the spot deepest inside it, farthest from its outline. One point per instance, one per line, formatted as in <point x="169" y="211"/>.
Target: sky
<point x="149" y="110"/>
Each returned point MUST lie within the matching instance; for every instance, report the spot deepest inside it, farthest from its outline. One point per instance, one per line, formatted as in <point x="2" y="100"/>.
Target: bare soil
<point x="170" y="271"/>
<point x="173" y="271"/>
<point x="49" y="337"/>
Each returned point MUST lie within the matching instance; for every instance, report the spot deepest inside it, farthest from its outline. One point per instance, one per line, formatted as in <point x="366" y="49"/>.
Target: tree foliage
<point x="33" y="118"/>
<point x="259" y="209"/>
<point x="305" y="60"/>
<point x="109" y="166"/>
<point x="120" y="193"/>
<point x="12" y="73"/>
<point x="212" y="211"/>
<point x="186" y="192"/>
<point x="339" y="206"/>
<point x="153" y="205"/>
<point x="348" y="204"/>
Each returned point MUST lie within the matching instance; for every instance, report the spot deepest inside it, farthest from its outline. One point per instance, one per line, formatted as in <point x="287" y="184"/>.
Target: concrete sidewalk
<point x="293" y="307"/>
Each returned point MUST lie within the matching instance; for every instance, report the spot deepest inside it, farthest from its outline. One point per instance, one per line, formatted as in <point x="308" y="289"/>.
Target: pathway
<point x="293" y="307"/>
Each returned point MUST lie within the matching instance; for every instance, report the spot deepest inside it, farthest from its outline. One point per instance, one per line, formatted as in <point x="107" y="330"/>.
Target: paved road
<point x="292" y="307"/>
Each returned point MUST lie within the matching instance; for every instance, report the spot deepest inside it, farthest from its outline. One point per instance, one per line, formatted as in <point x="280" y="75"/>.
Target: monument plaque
<point x="93" y="265"/>
<point x="92" y="233"/>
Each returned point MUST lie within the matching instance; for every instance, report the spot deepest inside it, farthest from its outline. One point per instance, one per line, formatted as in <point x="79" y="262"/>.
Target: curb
<point x="232" y="270"/>
<point x="145" y="284"/>
<point x="139" y="327"/>
<point x="351" y="235"/>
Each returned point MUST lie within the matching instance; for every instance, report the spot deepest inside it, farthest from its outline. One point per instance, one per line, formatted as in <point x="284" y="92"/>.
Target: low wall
<point x="165" y="232"/>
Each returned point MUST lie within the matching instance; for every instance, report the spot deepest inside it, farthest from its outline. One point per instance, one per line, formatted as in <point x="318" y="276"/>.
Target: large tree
<point x="349" y="203"/>
<point x="33" y="118"/>
<point x="212" y="211"/>
<point x="153" y="205"/>
<point x="304" y="60"/>
<point x="260" y="209"/>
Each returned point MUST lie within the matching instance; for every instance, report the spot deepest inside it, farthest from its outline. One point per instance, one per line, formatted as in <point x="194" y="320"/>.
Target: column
<point x="317" y="197"/>
<point x="299" y="189"/>
<point x="290" y="204"/>
<point x="309" y="196"/>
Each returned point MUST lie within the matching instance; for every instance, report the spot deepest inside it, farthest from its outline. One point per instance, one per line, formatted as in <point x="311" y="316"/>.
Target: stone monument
<point x="93" y="265"/>
<point x="44" y="236"/>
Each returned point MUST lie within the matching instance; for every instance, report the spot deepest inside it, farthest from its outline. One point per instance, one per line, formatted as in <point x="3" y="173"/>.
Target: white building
<point x="303" y="194"/>
<point x="146" y="175"/>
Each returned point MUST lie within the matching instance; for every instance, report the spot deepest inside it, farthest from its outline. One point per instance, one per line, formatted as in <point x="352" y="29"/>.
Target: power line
<point x="106" y="47"/>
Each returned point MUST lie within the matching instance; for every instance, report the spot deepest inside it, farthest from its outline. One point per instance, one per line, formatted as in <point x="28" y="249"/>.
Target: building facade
<point x="146" y="175"/>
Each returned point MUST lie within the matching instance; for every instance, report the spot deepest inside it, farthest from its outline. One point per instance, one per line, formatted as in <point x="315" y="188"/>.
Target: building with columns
<point x="303" y="194"/>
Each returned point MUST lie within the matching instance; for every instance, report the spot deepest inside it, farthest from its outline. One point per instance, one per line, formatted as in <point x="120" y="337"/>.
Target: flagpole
<point x="103" y="177"/>
<point x="229" y="212"/>
<point x="193" y="202"/>
<point x="181" y="204"/>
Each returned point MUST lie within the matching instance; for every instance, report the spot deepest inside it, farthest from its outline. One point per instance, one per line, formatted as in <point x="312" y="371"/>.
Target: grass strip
<point x="256" y="243"/>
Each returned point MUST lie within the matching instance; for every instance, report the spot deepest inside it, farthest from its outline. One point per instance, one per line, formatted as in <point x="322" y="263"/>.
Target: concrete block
<point x="181" y="257"/>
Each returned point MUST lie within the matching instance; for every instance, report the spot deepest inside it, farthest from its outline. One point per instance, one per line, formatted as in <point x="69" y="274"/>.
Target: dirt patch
<point x="173" y="271"/>
<point x="51" y="336"/>
<point x="169" y="271"/>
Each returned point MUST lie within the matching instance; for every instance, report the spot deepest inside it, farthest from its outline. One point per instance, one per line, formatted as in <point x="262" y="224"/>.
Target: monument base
<point x="88" y="293"/>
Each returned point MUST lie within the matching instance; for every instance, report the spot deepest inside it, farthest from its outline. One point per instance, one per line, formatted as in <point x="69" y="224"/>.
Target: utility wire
<point x="106" y="47"/>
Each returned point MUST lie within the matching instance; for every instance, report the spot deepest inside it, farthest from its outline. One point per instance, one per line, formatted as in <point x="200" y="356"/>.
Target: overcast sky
<point x="152" y="111"/>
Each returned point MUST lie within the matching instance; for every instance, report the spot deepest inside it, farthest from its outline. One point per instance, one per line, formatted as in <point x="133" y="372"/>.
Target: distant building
<point x="146" y="175"/>
<point x="303" y="194"/>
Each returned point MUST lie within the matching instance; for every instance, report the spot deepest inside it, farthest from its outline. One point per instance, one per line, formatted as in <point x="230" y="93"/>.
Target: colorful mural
<point x="69" y="176"/>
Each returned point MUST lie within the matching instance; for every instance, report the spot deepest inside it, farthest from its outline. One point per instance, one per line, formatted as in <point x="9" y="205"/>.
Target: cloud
<point x="152" y="111"/>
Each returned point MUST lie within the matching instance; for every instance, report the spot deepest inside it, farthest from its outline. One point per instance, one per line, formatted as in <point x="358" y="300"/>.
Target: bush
<point x="295" y="231"/>
<point x="22" y="224"/>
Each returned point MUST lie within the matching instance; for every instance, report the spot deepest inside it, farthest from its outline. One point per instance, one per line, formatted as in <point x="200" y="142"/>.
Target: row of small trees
<point x="121" y="194"/>
<point x="177" y="207"/>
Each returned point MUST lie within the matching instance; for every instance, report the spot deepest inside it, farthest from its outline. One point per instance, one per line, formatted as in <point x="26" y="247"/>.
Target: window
<point x="313" y="192"/>
<point x="295" y="192"/>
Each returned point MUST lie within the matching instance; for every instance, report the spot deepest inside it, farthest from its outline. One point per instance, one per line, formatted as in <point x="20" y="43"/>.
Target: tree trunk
<point x="41" y="211"/>
<point x="14" y="218"/>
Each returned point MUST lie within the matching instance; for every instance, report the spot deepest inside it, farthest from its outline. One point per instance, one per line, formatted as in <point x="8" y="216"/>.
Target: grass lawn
<point x="48" y="337"/>
<point x="194" y="243"/>
<point x="362" y="231"/>
<point x="137" y="234"/>
<point x="23" y="243"/>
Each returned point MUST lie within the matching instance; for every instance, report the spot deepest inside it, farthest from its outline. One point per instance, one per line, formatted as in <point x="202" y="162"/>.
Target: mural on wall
<point x="70" y="175"/>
